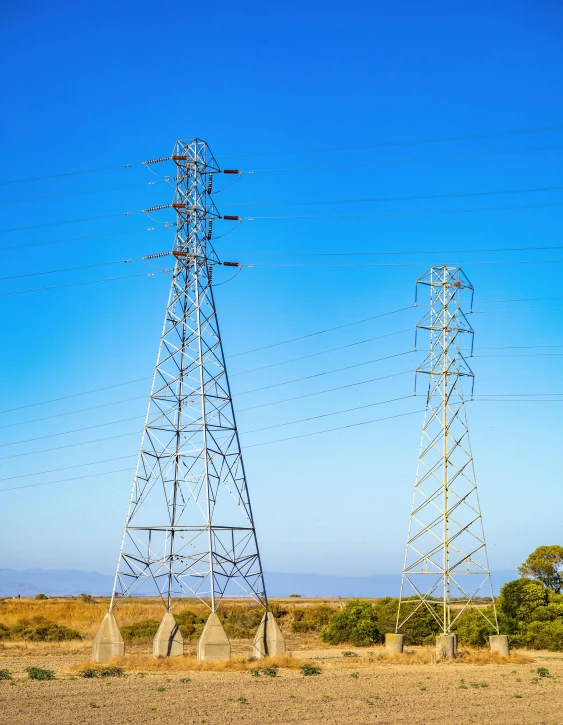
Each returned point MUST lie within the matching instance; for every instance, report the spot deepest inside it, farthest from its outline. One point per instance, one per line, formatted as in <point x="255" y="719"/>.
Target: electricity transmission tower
<point x="189" y="531"/>
<point x="446" y="560"/>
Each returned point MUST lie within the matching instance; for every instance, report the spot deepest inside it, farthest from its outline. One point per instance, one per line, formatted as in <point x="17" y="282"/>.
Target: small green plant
<point x="308" y="670"/>
<point x="107" y="671"/>
<point x="347" y="653"/>
<point x="5" y="675"/>
<point x="255" y="673"/>
<point x="355" y="675"/>
<point x="93" y="704"/>
<point x="160" y="688"/>
<point x="242" y="700"/>
<point x="41" y="596"/>
<point x="292" y="697"/>
<point x="325" y="697"/>
<point x="185" y="680"/>
<point x="36" y="673"/>
<point x="518" y="697"/>
<point x="543" y="671"/>
<point x="270" y="671"/>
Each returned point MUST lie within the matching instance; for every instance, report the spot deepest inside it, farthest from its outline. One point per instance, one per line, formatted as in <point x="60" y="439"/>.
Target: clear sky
<point x="95" y="85"/>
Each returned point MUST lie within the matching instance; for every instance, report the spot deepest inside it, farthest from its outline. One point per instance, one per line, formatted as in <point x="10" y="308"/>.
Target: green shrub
<point x="311" y="619"/>
<point x="144" y="629"/>
<point x="41" y="596"/>
<point x="4" y="631"/>
<point x="473" y="629"/>
<point x="278" y="610"/>
<point x="296" y="595"/>
<point x="108" y="671"/>
<point x="544" y="635"/>
<point x="88" y="598"/>
<point x="309" y="670"/>
<point x="5" y="675"/>
<point x="36" y="673"/>
<point x="356" y="624"/>
<point x="420" y="627"/>
<point x="270" y="671"/>
<point x="190" y="625"/>
<point x="39" y="629"/>
<point x="241" y="623"/>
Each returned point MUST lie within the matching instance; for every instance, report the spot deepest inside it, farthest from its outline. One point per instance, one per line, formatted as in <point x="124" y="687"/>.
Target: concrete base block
<point x="168" y="642"/>
<point x="394" y="644"/>
<point x="499" y="643"/>
<point x="108" y="641"/>
<point x="446" y="647"/>
<point x="269" y="640"/>
<point x="213" y="644"/>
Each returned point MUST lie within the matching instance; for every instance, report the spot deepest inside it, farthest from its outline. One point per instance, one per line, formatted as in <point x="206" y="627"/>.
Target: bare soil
<point x="349" y="690"/>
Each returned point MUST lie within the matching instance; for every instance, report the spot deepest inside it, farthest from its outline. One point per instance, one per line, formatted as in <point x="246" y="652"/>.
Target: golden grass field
<point x="371" y="687"/>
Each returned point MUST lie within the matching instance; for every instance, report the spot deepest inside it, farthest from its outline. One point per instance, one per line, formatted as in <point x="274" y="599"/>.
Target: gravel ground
<point x="348" y="691"/>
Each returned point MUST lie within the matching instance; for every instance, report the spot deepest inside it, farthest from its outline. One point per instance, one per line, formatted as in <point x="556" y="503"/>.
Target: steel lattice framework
<point x="189" y="529"/>
<point x="446" y="558"/>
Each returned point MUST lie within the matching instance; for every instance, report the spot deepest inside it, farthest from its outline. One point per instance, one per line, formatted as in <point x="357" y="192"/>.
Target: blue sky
<point x="109" y="84"/>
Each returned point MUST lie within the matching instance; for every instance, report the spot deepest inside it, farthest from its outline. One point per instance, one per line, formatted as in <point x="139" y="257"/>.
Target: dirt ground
<point x="349" y="690"/>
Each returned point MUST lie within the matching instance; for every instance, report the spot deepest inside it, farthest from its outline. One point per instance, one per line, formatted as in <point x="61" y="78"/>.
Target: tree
<point x="546" y="565"/>
<point x="420" y="628"/>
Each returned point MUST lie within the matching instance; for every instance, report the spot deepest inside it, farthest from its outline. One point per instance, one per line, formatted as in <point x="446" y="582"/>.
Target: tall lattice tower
<point x="446" y="564"/>
<point x="189" y="531"/>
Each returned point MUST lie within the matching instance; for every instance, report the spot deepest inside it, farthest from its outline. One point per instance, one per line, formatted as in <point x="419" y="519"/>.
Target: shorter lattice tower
<point x="446" y="568"/>
<point x="189" y="531"/>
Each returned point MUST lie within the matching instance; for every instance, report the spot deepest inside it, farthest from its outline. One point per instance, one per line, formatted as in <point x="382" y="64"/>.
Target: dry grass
<point x="427" y="656"/>
<point x="148" y="663"/>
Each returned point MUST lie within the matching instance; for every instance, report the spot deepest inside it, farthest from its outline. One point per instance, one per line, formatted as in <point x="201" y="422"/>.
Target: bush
<point x="4" y="631"/>
<point x="190" y="625"/>
<point x="355" y="624"/>
<point x="544" y="635"/>
<point x="420" y="628"/>
<point x="5" y="675"/>
<point x="108" y="671"/>
<point x="88" y="598"/>
<point x="295" y="595"/>
<point x="241" y="623"/>
<point x="473" y="629"/>
<point x="36" y="673"/>
<point x="41" y="596"/>
<point x="39" y="629"/>
<point x="311" y="619"/>
<point x="309" y="670"/>
<point x="146" y="628"/>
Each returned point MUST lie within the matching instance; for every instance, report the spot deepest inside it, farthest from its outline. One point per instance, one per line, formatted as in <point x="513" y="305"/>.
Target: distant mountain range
<point x="69" y="582"/>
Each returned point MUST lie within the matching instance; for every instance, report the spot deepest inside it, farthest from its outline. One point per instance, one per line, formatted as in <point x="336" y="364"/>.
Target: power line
<point x="322" y="332"/>
<point x="419" y="197"/>
<point x="70" y="445"/>
<point x="452" y="157"/>
<point x="327" y="415"/>
<point x="75" y="395"/>
<point x="66" y="468"/>
<point x="322" y="392"/>
<point x="381" y="144"/>
<point x="322" y="352"/>
<point x="68" y="432"/>
<point x="71" y="269"/>
<point x="83" y="191"/>
<point x="330" y="430"/>
<point x="326" y="372"/>
<point x="64" y="480"/>
<point x="79" y="239"/>
<point x="404" y="213"/>
<point x="74" y="284"/>
<point x="394" y="253"/>
<point x="404" y="264"/>
<point x="73" y="412"/>
<point x="71" y="221"/>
